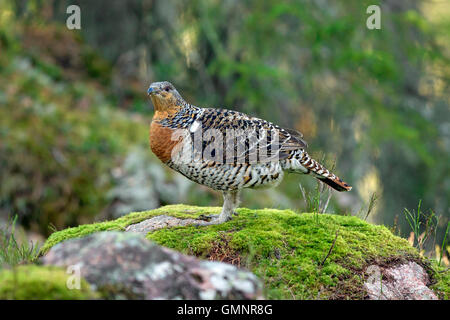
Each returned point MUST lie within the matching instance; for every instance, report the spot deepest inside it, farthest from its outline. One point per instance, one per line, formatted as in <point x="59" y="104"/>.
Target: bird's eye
<point x="167" y="89"/>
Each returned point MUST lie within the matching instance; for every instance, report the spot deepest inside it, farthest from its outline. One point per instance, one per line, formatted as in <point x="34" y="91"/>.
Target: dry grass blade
<point x="372" y="203"/>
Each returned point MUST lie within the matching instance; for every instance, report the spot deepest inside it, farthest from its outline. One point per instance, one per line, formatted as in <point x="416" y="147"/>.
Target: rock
<point x="407" y="281"/>
<point x="126" y="265"/>
<point x="162" y="221"/>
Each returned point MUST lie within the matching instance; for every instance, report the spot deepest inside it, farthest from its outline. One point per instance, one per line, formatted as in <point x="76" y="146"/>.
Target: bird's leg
<point x="236" y="201"/>
<point x="228" y="207"/>
<point x="230" y="202"/>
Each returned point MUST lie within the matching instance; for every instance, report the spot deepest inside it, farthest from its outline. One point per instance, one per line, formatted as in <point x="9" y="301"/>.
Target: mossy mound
<point x="289" y="251"/>
<point x="41" y="283"/>
<point x="441" y="283"/>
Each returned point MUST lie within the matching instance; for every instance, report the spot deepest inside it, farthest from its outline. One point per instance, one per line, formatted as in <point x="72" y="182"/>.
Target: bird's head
<point x="164" y="96"/>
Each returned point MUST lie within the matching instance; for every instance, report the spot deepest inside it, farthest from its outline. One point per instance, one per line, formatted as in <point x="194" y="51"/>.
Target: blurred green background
<point x="74" y="114"/>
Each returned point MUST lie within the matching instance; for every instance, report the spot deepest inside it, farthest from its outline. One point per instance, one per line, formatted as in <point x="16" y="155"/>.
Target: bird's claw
<point x="208" y="217"/>
<point x="211" y="220"/>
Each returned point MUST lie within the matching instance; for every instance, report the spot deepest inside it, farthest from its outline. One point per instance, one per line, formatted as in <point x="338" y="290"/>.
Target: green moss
<point x="180" y="211"/>
<point x="40" y="283"/>
<point x="284" y="248"/>
<point x="441" y="283"/>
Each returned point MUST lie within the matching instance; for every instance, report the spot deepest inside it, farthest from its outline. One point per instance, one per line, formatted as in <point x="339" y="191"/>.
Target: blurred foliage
<point x="376" y="100"/>
<point x="52" y="137"/>
<point x="59" y="138"/>
<point x="67" y="157"/>
<point x="15" y="249"/>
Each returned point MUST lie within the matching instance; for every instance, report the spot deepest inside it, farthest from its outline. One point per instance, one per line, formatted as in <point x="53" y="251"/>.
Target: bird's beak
<point x="150" y="91"/>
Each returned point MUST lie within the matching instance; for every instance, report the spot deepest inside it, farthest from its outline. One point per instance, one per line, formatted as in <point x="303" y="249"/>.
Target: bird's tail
<point x="323" y="174"/>
<point x="306" y="164"/>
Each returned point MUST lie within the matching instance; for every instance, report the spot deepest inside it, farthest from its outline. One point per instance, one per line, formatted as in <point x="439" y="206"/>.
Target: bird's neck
<point x="165" y="114"/>
<point x="171" y="111"/>
<point x="166" y="109"/>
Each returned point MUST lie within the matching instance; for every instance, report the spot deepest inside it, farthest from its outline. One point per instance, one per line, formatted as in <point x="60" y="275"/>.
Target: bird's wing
<point x="294" y="139"/>
<point x="244" y="136"/>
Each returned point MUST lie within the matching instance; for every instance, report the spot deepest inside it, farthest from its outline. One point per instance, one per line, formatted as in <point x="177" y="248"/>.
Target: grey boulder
<point x="123" y="265"/>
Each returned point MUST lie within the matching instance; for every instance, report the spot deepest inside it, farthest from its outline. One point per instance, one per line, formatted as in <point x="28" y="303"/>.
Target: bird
<point x="227" y="150"/>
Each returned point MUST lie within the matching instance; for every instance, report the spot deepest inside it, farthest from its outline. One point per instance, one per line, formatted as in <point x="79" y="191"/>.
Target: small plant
<point x="419" y="221"/>
<point x="444" y="241"/>
<point x="395" y="228"/>
<point x="372" y="203"/>
<point x="13" y="253"/>
<point x="318" y="201"/>
<point x="371" y="206"/>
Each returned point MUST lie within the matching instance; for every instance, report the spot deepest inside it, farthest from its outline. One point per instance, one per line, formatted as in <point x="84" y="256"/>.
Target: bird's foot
<point x="207" y="217"/>
<point x="213" y="219"/>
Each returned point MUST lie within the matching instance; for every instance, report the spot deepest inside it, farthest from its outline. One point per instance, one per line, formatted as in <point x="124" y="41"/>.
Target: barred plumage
<point x="227" y="150"/>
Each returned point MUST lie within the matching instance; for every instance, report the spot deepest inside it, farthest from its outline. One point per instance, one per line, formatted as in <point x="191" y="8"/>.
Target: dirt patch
<point x="221" y="251"/>
<point x="348" y="289"/>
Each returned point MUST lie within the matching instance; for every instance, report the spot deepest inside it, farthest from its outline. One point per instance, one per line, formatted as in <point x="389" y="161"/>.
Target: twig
<point x="331" y="248"/>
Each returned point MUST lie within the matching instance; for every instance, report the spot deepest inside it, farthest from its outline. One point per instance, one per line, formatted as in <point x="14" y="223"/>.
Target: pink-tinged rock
<point x="407" y="281"/>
